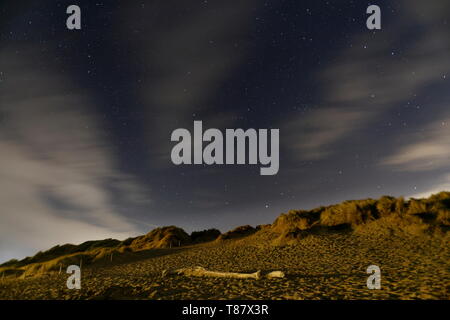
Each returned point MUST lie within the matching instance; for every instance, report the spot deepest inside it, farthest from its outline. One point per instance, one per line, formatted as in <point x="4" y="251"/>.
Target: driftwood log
<point x="275" y="274"/>
<point x="202" y="272"/>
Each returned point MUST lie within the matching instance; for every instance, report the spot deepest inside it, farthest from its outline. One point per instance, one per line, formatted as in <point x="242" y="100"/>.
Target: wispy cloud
<point x="367" y="79"/>
<point x="442" y="185"/>
<point x="429" y="149"/>
<point x="56" y="162"/>
<point x="190" y="57"/>
<point x="313" y="136"/>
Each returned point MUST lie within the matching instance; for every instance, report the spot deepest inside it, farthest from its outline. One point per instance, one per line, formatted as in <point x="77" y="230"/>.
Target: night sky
<point x="86" y="115"/>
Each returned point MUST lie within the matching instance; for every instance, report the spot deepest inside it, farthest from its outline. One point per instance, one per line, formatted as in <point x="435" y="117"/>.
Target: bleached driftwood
<point x="202" y="272"/>
<point x="275" y="274"/>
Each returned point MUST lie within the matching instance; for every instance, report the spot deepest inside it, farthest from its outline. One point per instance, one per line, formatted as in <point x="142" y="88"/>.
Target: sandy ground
<point x="318" y="267"/>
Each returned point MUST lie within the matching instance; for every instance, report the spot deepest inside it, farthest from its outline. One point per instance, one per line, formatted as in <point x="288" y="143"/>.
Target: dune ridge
<point x="324" y="253"/>
<point x="386" y="216"/>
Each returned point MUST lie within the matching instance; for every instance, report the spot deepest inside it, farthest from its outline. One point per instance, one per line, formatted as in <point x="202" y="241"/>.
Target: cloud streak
<point x="367" y="80"/>
<point x="56" y="162"/>
<point x="430" y="149"/>
<point x="442" y="185"/>
<point x="190" y="58"/>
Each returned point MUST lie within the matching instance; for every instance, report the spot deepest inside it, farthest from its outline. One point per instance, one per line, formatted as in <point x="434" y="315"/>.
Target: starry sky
<point x="86" y="115"/>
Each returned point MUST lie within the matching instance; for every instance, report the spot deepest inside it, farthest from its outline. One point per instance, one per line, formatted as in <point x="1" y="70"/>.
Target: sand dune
<point x="324" y="255"/>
